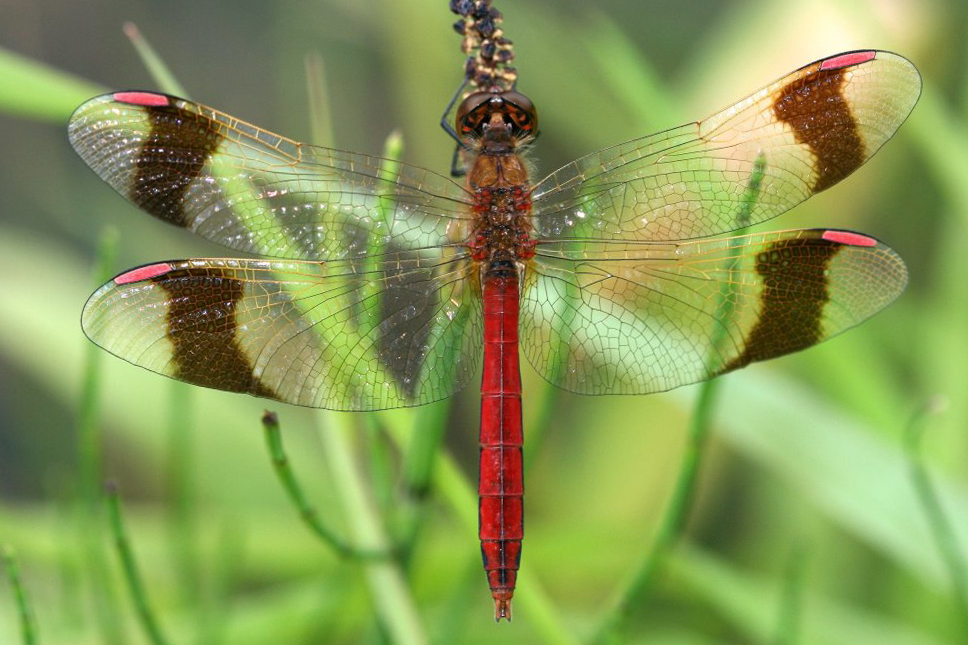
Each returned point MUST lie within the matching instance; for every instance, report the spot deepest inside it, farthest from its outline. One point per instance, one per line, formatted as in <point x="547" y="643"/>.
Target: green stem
<point x="90" y="468"/>
<point x="429" y="424"/>
<point x="156" y="66"/>
<point x="941" y="527"/>
<point x="788" y="625"/>
<point x="673" y="521"/>
<point x="394" y="603"/>
<point x="130" y="568"/>
<point x="28" y="630"/>
<point x="180" y="488"/>
<point x="287" y="477"/>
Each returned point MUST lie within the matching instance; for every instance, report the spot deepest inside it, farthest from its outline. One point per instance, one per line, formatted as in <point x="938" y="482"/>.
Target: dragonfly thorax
<point x="503" y="229"/>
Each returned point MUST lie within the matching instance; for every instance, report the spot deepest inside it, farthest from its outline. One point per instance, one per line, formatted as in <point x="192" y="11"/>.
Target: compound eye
<point x="470" y="113"/>
<point x="521" y="111"/>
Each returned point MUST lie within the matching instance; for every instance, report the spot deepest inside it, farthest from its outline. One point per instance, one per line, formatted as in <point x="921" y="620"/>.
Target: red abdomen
<point x="501" y="484"/>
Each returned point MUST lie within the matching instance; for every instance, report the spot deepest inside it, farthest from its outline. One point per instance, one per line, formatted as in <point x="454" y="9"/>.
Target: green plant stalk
<point x="674" y="520"/>
<point x="181" y="485"/>
<point x="941" y="529"/>
<point x="130" y="568"/>
<point x="538" y="426"/>
<point x="788" y="624"/>
<point x="381" y="464"/>
<point x="90" y="469"/>
<point x="156" y="66"/>
<point x="28" y="630"/>
<point x="394" y="603"/>
<point x="320" y="115"/>
<point x="429" y="425"/>
<point x="283" y="469"/>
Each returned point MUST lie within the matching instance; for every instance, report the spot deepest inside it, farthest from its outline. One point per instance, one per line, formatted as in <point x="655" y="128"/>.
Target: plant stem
<point x="394" y="603"/>
<point x="941" y="528"/>
<point x="28" y="630"/>
<point x="673" y="520"/>
<point x="130" y="568"/>
<point x="788" y="625"/>
<point x="287" y="477"/>
<point x="153" y="62"/>
<point x="90" y="468"/>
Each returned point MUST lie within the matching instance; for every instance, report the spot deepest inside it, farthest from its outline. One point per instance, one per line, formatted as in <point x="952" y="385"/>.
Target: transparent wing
<point x="635" y="318"/>
<point x="402" y="329"/>
<point x="791" y="139"/>
<point x="258" y="192"/>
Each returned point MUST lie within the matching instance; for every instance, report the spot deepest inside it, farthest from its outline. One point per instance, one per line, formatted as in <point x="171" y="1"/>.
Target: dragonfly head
<point x="497" y="118"/>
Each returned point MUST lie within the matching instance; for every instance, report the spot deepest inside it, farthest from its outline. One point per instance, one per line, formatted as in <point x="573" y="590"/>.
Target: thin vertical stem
<point x="90" y="468"/>
<point x="153" y="62"/>
<point x="394" y="603"/>
<point x="28" y="630"/>
<point x="788" y="624"/>
<point x="180" y="468"/>
<point x="941" y="528"/>
<point x="130" y="568"/>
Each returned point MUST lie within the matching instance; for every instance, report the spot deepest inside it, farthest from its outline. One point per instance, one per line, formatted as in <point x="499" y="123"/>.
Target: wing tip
<point x="143" y="273"/>
<point x="146" y="99"/>
<point x="848" y="238"/>
<point x="848" y="59"/>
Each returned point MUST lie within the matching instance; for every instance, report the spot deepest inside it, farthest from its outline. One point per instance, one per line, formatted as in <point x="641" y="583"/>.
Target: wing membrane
<point x="258" y="192"/>
<point x="795" y="137"/>
<point x="403" y="329"/>
<point x="636" y="318"/>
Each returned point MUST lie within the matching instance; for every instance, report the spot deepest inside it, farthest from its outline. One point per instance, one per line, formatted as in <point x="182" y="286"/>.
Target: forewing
<point x="636" y="318"/>
<point x="792" y="139"/>
<point x="399" y="330"/>
<point x="258" y="192"/>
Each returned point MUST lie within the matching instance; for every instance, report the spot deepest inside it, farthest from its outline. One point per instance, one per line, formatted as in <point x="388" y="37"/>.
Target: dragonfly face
<point x="497" y="122"/>
<point x="388" y="284"/>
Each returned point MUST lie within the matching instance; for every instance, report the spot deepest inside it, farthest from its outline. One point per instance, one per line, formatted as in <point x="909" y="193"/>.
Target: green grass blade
<point x="33" y="90"/>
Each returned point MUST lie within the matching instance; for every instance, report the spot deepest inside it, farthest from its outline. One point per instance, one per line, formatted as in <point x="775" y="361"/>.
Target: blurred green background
<point x="806" y="526"/>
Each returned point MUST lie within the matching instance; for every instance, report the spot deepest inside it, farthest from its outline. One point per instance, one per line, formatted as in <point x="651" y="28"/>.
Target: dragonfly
<point x="377" y="284"/>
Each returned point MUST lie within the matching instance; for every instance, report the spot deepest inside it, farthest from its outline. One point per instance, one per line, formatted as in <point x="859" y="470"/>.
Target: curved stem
<point x="287" y="477"/>
<point x="28" y="630"/>
<point x="131" y="574"/>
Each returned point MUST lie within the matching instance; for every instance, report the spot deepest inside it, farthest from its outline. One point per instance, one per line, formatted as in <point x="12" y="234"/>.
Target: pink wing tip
<point x="141" y="98"/>
<point x="846" y="60"/>
<point x="851" y="239"/>
<point x="143" y="273"/>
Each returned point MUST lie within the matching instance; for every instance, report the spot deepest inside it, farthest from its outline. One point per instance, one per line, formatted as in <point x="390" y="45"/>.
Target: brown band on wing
<point x="202" y="329"/>
<point x="171" y="158"/>
<point x="817" y="110"/>
<point x="793" y="297"/>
